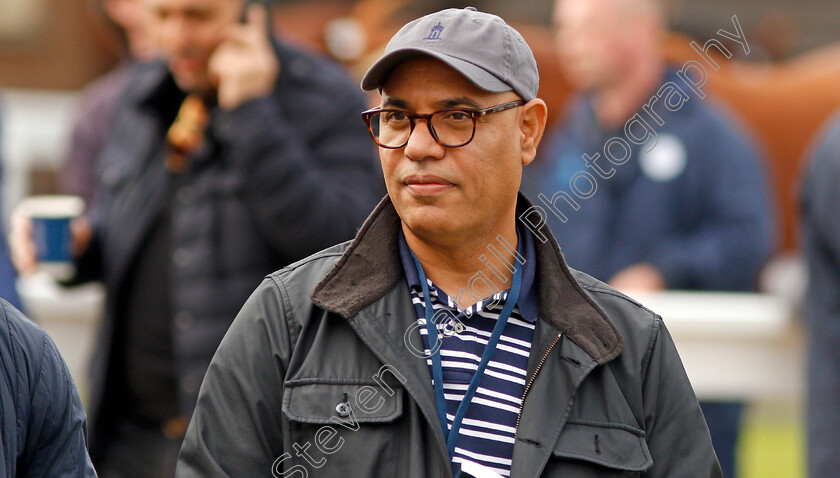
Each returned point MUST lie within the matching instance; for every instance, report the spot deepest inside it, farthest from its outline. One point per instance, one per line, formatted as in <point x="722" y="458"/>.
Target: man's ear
<point x="531" y="128"/>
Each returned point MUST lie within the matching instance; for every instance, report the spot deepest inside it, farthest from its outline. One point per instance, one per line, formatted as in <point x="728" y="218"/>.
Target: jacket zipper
<point x="534" y="377"/>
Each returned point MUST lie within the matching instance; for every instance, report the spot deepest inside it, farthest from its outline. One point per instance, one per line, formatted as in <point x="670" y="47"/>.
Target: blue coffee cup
<point x="51" y="217"/>
<point x="52" y="239"/>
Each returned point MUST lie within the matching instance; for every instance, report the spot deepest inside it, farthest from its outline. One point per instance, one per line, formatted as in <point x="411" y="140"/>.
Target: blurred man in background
<point x="821" y="243"/>
<point x="688" y="209"/>
<point x="43" y="432"/>
<point x="235" y="156"/>
<point x="98" y="101"/>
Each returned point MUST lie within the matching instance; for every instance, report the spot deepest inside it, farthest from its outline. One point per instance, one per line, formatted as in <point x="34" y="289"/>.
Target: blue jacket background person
<point x="43" y="432"/>
<point x="696" y="206"/>
<point x="671" y="193"/>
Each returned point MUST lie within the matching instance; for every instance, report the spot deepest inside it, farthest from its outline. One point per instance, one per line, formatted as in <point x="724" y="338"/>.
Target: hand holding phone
<point x="244" y="66"/>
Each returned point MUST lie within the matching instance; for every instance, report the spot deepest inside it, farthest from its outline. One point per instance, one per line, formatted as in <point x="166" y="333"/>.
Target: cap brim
<point x="378" y="73"/>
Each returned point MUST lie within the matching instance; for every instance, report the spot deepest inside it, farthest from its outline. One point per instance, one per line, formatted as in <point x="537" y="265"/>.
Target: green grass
<point x="772" y="442"/>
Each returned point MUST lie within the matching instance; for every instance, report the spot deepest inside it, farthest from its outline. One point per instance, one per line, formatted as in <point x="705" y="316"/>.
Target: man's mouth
<point x="186" y="65"/>
<point x="426" y="184"/>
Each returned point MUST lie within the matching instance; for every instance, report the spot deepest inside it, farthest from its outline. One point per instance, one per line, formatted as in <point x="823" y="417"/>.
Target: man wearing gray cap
<point x="524" y="368"/>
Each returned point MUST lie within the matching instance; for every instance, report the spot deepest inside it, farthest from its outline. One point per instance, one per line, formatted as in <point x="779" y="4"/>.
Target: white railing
<point x="36" y="126"/>
<point x="734" y="345"/>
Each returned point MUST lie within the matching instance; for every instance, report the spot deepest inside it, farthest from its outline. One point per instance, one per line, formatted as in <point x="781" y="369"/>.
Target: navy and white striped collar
<point x="528" y="303"/>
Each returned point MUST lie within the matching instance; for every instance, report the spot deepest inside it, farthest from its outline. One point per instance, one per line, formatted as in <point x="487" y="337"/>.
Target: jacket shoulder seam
<point x="297" y="265"/>
<point x="617" y="294"/>
<point x="288" y="310"/>
<point x="654" y="335"/>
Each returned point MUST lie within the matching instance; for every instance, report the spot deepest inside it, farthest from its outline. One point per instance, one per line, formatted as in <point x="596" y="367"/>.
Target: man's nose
<point x="175" y="35"/>
<point x="421" y="144"/>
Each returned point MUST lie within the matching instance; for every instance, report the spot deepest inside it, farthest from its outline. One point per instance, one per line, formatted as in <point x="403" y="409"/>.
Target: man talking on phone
<point x="232" y="157"/>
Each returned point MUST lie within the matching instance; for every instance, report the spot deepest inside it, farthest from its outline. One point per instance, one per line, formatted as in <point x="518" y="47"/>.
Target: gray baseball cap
<point x="480" y="46"/>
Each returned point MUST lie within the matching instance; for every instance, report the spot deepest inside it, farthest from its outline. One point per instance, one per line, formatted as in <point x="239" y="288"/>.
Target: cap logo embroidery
<point x="434" y="33"/>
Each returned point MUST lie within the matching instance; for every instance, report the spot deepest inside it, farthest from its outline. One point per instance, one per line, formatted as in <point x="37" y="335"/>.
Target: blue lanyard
<point x="437" y="368"/>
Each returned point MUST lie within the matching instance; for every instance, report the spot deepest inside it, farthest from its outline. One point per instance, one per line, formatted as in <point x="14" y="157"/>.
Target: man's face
<point x="592" y="40"/>
<point x="440" y="191"/>
<point x="188" y="31"/>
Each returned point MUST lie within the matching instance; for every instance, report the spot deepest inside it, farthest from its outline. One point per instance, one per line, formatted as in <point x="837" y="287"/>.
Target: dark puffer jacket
<point x="277" y="179"/>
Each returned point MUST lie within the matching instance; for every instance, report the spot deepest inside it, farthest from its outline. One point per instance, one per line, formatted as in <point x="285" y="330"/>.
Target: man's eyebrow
<point x="395" y="103"/>
<point x="442" y="104"/>
<point x="458" y="101"/>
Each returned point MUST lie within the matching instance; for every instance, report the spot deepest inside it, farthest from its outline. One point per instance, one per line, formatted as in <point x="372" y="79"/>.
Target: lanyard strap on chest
<point x="451" y="435"/>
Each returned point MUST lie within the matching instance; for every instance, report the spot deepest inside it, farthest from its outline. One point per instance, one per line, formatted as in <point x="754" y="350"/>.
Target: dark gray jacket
<point x="606" y="393"/>
<point x="821" y="244"/>
<point x="279" y="178"/>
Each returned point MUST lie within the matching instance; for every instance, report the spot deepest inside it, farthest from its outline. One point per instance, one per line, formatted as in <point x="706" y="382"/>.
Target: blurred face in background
<point x="132" y="17"/>
<point x="599" y="40"/>
<point x="187" y="32"/>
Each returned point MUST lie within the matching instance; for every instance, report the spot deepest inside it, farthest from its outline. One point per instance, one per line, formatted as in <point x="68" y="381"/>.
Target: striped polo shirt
<point x="488" y="430"/>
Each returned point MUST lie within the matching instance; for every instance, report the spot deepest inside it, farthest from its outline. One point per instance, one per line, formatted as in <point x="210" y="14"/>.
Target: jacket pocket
<point x="600" y="449"/>
<point x="348" y="424"/>
<point x="341" y="401"/>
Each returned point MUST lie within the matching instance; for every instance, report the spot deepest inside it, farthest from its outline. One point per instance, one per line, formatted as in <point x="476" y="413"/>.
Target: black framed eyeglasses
<point x="451" y="128"/>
